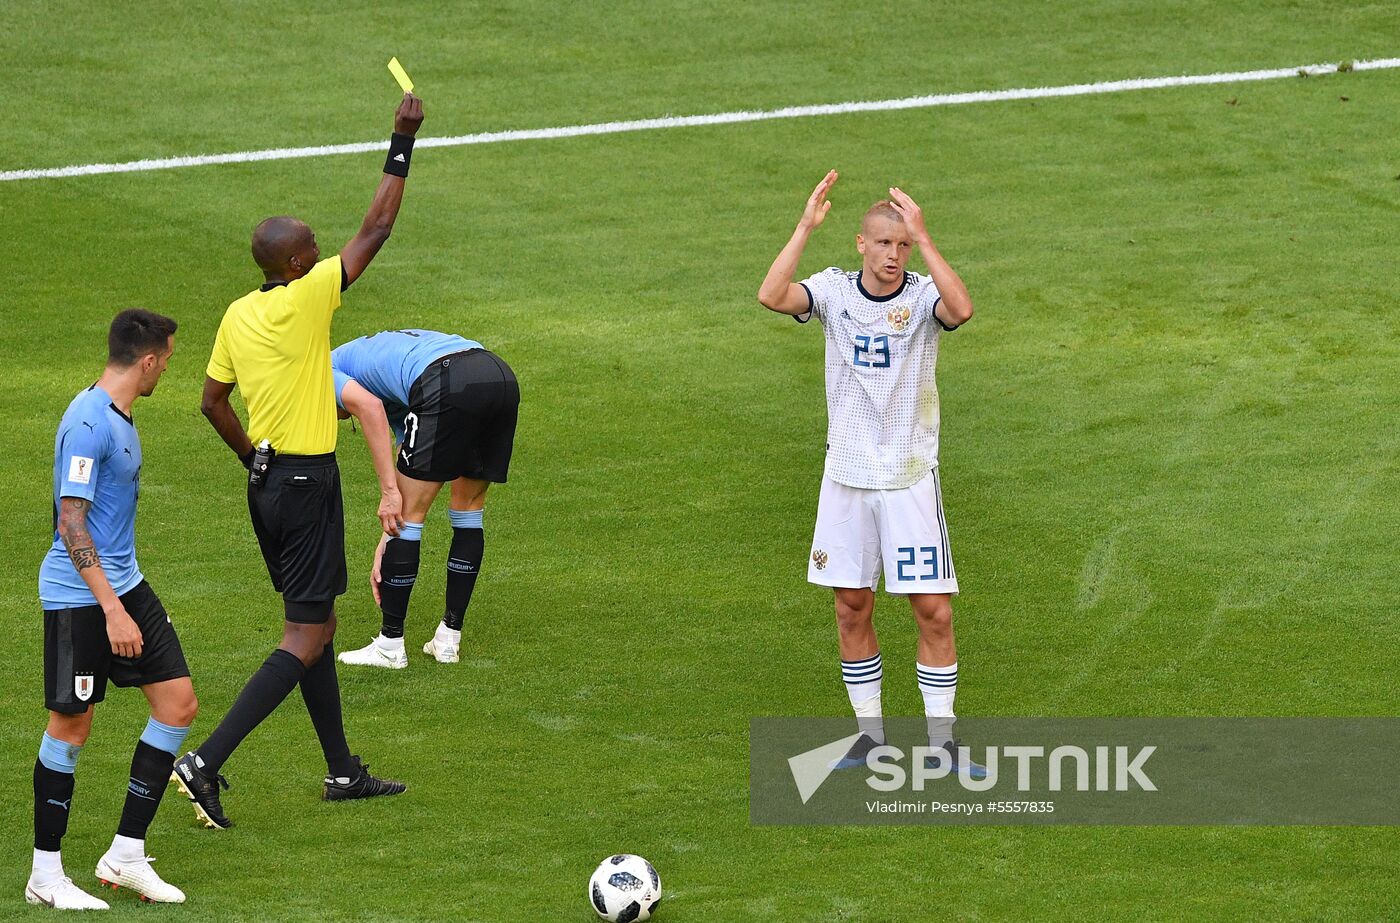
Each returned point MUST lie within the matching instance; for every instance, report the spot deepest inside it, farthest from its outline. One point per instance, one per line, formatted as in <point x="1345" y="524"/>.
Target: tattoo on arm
<point x="72" y="527"/>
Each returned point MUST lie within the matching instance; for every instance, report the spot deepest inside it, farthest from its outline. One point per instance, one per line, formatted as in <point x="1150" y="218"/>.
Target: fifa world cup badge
<point x="819" y="559"/>
<point x="82" y="686"/>
<point x="898" y="318"/>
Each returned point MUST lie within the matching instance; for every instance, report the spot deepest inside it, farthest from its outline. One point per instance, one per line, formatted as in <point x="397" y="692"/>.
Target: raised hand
<point x="909" y="209"/>
<point x="409" y="115"/>
<point x="817" y="204"/>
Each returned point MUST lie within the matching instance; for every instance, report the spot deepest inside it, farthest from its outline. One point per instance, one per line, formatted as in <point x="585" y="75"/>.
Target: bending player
<point x="880" y="499"/>
<point x="103" y="622"/>
<point x="452" y="405"/>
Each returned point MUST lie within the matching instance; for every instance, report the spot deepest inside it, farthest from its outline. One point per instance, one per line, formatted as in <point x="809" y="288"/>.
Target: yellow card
<point x="397" y="70"/>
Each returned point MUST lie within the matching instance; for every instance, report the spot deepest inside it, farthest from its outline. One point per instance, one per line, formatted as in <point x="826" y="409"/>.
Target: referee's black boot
<point x="203" y="791"/>
<point x="359" y="785"/>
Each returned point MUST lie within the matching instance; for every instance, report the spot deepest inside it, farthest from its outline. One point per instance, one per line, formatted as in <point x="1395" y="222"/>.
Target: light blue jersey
<point x="387" y="364"/>
<point x="96" y="456"/>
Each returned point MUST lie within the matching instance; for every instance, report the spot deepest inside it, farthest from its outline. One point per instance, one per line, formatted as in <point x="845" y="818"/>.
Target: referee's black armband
<point x="400" y="153"/>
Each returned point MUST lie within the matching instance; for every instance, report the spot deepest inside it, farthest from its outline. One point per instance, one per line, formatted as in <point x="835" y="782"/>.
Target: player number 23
<point x="872" y="352"/>
<point x="908" y="557"/>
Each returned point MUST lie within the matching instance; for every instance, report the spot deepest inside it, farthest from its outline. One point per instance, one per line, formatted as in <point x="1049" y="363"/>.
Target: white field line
<point x="690" y="121"/>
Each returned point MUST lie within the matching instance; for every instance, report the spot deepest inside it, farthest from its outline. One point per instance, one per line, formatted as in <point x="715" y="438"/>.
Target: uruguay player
<point x="880" y="500"/>
<point x="103" y="622"/>
<point x="452" y="405"/>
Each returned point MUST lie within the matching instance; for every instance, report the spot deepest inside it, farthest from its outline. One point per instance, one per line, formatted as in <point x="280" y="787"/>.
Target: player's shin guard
<point x="863" y="687"/>
<point x="320" y="689"/>
<point x="398" y="571"/>
<point x="939" y="686"/>
<point x="53" y="792"/>
<point x="150" y="772"/>
<point x="264" y="691"/>
<point x="463" y="564"/>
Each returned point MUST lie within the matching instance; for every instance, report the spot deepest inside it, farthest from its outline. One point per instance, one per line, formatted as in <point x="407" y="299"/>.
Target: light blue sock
<point x="59" y="755"/>
<point x="465" y="519"/>
<point x="163" y="736"/>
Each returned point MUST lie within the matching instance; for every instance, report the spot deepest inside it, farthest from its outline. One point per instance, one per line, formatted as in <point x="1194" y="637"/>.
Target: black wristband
<point x="247" y="459"/>
<point x="400" y="153"/>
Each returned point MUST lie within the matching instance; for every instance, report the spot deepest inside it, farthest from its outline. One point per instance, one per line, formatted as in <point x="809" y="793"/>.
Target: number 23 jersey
<point x="881" y="399"/>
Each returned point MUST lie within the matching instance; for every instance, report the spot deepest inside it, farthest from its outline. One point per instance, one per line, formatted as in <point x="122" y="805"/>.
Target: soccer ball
<point x="624" y="888"/>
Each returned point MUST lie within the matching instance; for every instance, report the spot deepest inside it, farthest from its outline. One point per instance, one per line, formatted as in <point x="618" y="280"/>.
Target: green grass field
<point x="1168" y="459"/>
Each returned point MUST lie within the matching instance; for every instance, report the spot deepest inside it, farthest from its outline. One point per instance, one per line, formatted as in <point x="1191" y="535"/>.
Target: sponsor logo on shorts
<point x="898" y="318"/>
<point x="819" y="559"/>
<point x="82" y="686"/>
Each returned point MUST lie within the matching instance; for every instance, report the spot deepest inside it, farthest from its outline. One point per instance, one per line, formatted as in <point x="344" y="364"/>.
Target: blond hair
<point x="881" y="209"/>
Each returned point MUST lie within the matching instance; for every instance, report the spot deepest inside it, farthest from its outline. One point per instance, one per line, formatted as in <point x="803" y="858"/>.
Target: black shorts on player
<point x="299" y="519"/>
<point x="461" y="419"/>
<point x="78" y="658"/>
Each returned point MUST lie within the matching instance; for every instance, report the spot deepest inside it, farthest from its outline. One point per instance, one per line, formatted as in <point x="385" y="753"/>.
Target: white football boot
<point x="381" y="652"/>
<point x="138" y="876"/>
<point x="445" y="644"/>
<point x="62" y="894"/>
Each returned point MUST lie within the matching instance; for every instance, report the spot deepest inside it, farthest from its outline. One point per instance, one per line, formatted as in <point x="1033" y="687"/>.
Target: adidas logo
<point x="399" y="158"/>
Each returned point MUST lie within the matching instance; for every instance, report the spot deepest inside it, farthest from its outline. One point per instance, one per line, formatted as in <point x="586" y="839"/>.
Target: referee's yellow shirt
<point x="276" y="346"/>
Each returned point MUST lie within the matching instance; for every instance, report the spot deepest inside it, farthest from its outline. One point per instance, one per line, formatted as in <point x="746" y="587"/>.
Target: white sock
<point x="48" y="866"/>
<point x="388" y="644"/>
<point x="939" y="686"/>
<point x="863" y="688"/>
<point x="127" y="848"/>
<point x="451" y="634"/>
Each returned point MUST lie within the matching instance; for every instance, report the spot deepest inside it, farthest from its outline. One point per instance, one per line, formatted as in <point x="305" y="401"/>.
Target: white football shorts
<point x="859" y="531"/>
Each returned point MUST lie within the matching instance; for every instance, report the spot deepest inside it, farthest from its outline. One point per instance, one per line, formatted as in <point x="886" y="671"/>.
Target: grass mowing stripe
<point x="720" y="118"/>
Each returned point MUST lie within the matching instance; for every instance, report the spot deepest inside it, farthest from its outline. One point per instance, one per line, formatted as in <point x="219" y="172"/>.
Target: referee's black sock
<point x="320" y="689"/>
<point x="264" y="691"/>
<point x="463" y="564"/>
<point x="398" y="571"/>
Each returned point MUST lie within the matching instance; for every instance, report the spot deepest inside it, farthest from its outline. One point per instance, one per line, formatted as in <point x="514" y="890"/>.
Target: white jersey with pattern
<point x="881" y="399"/>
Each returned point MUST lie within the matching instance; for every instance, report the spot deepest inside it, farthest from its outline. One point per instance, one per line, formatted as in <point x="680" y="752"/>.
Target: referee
<point x="274" y="343"/>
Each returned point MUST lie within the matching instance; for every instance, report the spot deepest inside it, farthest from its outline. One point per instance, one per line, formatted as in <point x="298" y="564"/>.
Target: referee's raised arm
<point x="379" y="220"/>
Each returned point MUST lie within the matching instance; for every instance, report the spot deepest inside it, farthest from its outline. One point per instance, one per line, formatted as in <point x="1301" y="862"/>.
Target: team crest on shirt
<point x="898" y="318"/>
<point x="82" y="686"/>
<point x="819" y="559"/>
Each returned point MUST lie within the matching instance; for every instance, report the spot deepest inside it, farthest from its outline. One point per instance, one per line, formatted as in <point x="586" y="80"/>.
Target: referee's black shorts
<point x="78" y="658"/>
<point x="461" y="419"/>
<point x="299" y="519"/>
